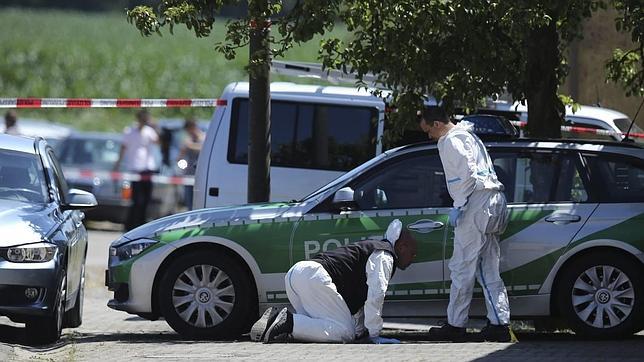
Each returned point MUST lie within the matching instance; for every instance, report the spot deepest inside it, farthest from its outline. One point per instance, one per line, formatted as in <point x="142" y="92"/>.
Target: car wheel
<point x="206" y="295"/>
<point x="602" y="296"/>
<point x="44" y="330"/>
<point x="74" y="317"/>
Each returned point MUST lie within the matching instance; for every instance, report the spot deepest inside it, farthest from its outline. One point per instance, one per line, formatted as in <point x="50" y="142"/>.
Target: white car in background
<point x="586" y="116"/>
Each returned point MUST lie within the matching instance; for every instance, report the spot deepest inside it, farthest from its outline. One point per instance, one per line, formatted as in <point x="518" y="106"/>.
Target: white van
<point x="317" y="134"/>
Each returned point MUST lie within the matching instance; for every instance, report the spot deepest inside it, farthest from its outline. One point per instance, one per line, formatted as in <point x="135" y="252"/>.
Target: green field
<point x="98" y="55"/>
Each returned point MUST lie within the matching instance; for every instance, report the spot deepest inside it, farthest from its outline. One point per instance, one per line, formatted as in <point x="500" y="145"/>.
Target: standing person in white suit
<point x="479" y="216"/>
<point x="338" y="294"/>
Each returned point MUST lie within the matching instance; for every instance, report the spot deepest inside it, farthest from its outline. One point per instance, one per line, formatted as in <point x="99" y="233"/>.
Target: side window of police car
<point x="540" y="177"/>
<point x="409" y="182"/>
<point x="620" y="178"/>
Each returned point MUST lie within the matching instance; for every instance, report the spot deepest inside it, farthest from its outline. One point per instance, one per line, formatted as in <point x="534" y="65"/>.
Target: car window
<point x="624" y="124"/>
<point x="620" y="179"/>
<point x="22" y="177"/>
<point x="307" y="135"/>
<point x="59" y="178"/>
<point x="415" y="182"/>
<point x="590" y="134"/>
<point x="540" y="177"/>
<point x="100" y="154"/>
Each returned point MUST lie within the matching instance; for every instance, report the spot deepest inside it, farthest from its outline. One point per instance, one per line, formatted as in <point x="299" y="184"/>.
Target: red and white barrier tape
<point x="108" y="103"/>
<point x="78" y="173"/>
<point x="574" y="129"/>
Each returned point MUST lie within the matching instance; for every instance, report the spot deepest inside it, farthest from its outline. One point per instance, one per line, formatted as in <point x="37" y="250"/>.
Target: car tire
<point x="45" y="330"/>
<point x="601" y="295"/>
<point x="74" y="317"/>
<point x="206" y="295"/>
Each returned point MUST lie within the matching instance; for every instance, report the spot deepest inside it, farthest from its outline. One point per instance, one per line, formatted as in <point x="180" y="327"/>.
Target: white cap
<point x="393" y="231"/>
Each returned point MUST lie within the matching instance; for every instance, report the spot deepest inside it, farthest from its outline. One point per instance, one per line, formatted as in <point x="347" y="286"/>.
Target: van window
<point x="308" y="135"/>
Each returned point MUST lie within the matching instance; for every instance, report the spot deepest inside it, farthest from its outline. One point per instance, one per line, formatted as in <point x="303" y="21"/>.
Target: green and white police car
<point x="573" y="251"/>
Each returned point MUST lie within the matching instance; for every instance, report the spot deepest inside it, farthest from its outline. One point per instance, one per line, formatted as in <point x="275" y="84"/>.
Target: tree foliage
<point x="458" y="51"/>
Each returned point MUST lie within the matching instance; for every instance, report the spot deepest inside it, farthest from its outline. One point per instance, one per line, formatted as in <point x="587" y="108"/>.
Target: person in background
<point x="11" y="123"/>
<point x="137" y="155"/>
<point x="189" y="154"/>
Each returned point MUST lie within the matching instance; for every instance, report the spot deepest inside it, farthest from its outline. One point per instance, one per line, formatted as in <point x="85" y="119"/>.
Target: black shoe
<point x="447" y="332"/>
<point x="258" y="331"/>
<point x="281" y="329"/>
<point x="495" y="333"/>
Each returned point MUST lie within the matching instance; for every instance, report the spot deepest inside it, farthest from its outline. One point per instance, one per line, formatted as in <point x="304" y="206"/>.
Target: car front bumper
<point x="15" y="278"/>
<point x="132" y="281"/>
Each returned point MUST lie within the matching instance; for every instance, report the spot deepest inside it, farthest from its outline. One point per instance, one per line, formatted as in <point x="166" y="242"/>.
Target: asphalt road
<point x="108" y="335"/>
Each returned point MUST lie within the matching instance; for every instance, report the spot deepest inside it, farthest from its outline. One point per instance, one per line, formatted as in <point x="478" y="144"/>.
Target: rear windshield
<point x="21" y="177"/>
<point x="309" y="135"/>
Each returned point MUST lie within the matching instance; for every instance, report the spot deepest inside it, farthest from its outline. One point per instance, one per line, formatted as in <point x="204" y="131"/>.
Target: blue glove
<point x="383" y="340"/>
<point x="454" y="214"/>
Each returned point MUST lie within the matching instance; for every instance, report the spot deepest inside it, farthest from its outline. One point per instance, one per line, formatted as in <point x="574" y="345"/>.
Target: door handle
<point x="425" y="226"/>
<point x="563" y="218"/>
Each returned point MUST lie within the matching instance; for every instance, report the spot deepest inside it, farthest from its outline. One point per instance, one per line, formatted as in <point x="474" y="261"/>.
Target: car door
<point x="548" y="202"/>
<point x="620" y="215"/>
<point x="71" y="227"/>
<point x="411" y="188"/>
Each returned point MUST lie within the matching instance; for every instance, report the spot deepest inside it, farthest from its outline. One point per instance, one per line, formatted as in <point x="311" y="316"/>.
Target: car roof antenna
<point x="626" y="139"/>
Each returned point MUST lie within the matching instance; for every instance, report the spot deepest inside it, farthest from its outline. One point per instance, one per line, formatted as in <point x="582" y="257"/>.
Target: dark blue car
<point x="44" y="243"/>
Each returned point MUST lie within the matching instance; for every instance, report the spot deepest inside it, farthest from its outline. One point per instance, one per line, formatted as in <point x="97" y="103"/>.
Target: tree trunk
<point x="545" y="109"/>
<point x="259" y="121"/>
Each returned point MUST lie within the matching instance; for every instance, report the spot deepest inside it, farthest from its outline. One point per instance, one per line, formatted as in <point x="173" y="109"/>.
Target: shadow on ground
<point x="532" y="345"/>
<point x="17" y="336"/>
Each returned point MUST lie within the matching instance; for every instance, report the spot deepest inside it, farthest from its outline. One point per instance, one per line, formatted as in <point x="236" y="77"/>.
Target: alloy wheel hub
<point x="203" y="295"/>
<point x="602" y="296"/>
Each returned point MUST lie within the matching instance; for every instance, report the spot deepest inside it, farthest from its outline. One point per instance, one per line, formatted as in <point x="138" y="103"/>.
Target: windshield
<point x="21" y="177"/>
<point x="100" y="154"/>
<point x="347" y="176"/>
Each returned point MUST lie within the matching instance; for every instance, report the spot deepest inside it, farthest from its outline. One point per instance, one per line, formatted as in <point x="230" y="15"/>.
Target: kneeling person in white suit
<point x="336" y="288"/>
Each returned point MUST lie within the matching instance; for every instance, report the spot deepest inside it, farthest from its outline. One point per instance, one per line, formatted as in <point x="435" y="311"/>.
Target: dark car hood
<point x="23" y="223"/>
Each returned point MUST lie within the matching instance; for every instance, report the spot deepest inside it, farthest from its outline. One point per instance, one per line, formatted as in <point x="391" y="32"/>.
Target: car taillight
<point x="126" y="191"/>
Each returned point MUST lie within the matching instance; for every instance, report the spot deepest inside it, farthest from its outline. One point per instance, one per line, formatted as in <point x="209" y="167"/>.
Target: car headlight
<point x="132" y="249"/>
<point x="32" y="253"/>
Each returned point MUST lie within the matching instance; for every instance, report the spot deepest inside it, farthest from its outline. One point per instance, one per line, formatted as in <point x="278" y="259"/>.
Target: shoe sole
<point x="260" y="327"/>
<point x="266" y="335"/>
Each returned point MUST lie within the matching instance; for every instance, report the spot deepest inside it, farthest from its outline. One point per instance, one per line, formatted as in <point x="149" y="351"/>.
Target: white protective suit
<point x="473" y="184"/>
<point x="321" y="314"/>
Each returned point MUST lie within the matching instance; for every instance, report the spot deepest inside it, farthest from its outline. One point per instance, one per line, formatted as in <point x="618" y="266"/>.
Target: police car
<point x="573" y="251"/>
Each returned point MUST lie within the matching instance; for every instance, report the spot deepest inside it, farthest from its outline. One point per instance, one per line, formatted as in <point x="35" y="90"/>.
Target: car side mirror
<point x="78" y="199"/>
<point x="343" y="199"/>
